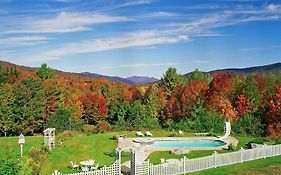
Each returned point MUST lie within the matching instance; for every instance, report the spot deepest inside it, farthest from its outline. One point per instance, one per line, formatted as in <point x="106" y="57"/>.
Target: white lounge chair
<point x="147" y="133"/>
<point x="227" y="131"/>
<point x="180" y="132"/>
<point x="140" y="134"/>
<point x="84" y="168"/>
<point x="73" y="164"/>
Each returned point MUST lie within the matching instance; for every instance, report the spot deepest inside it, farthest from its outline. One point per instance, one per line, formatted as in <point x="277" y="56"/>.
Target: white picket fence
<point x="186" y="165"/>
<point x="114" y="169"/>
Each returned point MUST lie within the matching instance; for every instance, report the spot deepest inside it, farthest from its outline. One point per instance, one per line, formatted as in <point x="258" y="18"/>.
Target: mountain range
<point x="88" y="76"/>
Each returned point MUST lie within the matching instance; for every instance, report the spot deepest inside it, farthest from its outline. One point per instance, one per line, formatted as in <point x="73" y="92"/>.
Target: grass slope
<point x="268" y="166"/>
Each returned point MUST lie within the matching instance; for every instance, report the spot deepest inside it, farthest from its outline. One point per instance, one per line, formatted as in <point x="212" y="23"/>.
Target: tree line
<point x="29" y="103"/>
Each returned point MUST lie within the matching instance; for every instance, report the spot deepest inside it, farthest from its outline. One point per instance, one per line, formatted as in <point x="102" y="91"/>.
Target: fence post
<point x="184" y="160"/>
<point x="264" y="151"/>
<point x="147" y="162"/>
<point x="241" y="154"/>
<point x="215" y="159"/>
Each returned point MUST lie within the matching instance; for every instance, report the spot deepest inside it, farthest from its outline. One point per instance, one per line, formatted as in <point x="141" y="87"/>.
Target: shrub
<point x="277" y="142"/>
<point x="248" y="125"/>
<point x="102" y="127"/>
<point x="9" y="166"/>
<point x="37" y="155"/>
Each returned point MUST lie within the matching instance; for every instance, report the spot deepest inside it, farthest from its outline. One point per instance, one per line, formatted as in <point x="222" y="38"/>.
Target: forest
<point x="33" y="100"/>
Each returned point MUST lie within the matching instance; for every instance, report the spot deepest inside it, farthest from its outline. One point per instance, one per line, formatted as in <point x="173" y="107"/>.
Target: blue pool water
<point x="188" y="144"/>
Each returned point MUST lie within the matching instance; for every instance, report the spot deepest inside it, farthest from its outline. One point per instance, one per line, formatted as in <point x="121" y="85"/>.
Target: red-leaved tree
<point x="273" y="116"/>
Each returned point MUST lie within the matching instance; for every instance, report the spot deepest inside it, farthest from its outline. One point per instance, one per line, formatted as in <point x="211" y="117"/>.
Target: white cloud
<point x="133" y="3"/>
<point x="134" y="39"/>
<point x="22" y="41"/>
<point x="64" y="22"/>
<point x="273" y="8"/>
<point x="161" y="14"/>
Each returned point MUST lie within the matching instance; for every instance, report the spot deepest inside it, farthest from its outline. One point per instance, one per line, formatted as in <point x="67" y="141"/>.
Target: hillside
<point x="270" y="68"/>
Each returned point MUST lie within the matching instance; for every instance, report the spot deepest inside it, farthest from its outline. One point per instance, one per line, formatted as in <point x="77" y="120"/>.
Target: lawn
<point x="80" y="147"/>
<point x="268" y="166"/>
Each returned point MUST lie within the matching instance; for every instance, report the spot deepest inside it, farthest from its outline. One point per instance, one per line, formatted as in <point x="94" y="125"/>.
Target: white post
<point x="215" y="159"/>
<point x="56" y="172"/>
<point x="21" y="149"/>
<point x="184" y="159"/>
<point x="148" y="166"/>
<point x="241" y="154"/>
<point x="264" y="151"/>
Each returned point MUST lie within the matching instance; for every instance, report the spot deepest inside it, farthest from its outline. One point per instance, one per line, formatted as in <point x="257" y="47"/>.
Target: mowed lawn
<point x="268" y="166"/>
<point x="80" y="147"/>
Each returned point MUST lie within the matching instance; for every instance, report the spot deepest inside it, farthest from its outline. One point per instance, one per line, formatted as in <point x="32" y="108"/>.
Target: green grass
<point x="268" y="166"/>
<point x="82" y="147"/>
<point x="9" y="147"/>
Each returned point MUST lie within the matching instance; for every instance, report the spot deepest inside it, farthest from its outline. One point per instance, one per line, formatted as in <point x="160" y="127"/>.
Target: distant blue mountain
<point x="270" y="68"/>
<point x="114" y="79"/>
<point x="130" y="80"/>
<point x="142" y="79"/>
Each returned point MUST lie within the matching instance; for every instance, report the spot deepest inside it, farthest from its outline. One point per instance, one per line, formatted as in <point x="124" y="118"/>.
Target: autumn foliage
<point x="273" y="117"/>
<point x="30" y="100"/>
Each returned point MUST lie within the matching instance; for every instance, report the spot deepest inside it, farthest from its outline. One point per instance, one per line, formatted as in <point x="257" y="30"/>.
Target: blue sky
<point x="140" y="37"/>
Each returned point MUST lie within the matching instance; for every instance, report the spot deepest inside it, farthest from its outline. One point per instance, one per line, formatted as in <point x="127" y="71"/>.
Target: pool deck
<point x="128" y="142"/>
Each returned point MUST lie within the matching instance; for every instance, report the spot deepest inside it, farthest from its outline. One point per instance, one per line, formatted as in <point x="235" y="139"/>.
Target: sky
<point x="140" y="37"/>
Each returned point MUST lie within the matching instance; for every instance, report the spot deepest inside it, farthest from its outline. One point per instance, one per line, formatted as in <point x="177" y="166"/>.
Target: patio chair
<point x="73" y="164"/>
<point x="140" y="134"/>
<point x="147" y="133"/>
<point x="180" y="132"/>
<point x="163" y="160"/>
<point x="95" y="167"/>
<point x="84" y="168"/>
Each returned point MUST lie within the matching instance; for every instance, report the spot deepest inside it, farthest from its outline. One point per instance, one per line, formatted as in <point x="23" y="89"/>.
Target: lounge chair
<point x="147" y="133"/>
<point x="180" y="132"/>
<point x="95" y="167"/>
<point x="84" y="168"/>
<point x="140" y="134"/>
<point x="73" y="164"/>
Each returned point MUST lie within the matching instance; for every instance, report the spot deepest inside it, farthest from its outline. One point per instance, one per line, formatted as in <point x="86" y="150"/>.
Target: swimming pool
<point x="188" y="144"/>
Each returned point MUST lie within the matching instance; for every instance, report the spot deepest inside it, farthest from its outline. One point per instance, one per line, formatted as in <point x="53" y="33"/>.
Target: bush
<point x="37" y="155"/>
<point x="9" y="166"/>
<point x="277" y="142"/>
<point x="205" y="121"/>
<point x="248" y="125"/>
<point x="102" y="127"/>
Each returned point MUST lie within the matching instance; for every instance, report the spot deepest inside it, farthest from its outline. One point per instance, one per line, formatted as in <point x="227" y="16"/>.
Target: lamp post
<point x="21" y="142"/>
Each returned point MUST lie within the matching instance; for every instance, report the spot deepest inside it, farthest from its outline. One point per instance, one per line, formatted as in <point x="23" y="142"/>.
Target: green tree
<point x="198" y="75"/>
<point x="3" y="75"/>
<point x="7" y="117"/>
<point x="170" y="80"/>
<point x="45" y="72"/>
<point x="29" y="105"/>
<point x="61" y="120"/>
